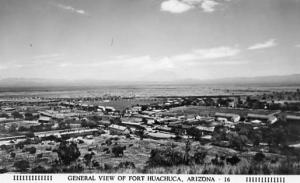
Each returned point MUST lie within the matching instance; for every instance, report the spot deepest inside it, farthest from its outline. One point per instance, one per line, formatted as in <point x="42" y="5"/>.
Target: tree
<point x="12" y="154"/>
<point x="144" y="120"/>
<point x="31" y="150"/>
<point x="140" y="133"/>
<point x="118" y="150"/>
<point x="165" y="157"/>
<point x="259" y="157"/>
<point x="237" y="141"/>
<point x="126" y="164"/>
<point x="88" y="158"/>
<point x="89" y="124"/>
<point x="63" y="125"/>
<point x="13" y="128"/>
<point x="115" y="120"/>
<point x="22" y="129"/>
<point x="67" y="152"/>
<point x="187" y="150"/>
<point x="194" y="133"/>
<point x="39" y="169"/>
<point x="233" y="160"/>
<point x="17" y="115"/>
<point x="219" y="133"/>
<point x="29" y="116"/>
<point x="199" y="157"/>
<point x="21" y="165"/>
<point x="4" y="115"/>
<point x="95" y="118"/>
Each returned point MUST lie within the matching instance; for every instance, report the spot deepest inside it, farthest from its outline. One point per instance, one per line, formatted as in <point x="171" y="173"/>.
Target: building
<point x="262" y="117"/>
<point x="206" y="130"/>
<point x="229" y="116"/>
<point x="160" y="135"/>
<point x="132" y="125"/>
<point x="8" y="109"/>
<point x="44" y="119"/>
<point x="109" y="109"/>
<point x="118" y="130"/>
<point x="69" y="132"/>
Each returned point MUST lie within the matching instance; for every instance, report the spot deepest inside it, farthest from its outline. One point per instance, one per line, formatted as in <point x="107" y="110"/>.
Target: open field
<point x="211" y="110"/>
<point x="122" y="104"/>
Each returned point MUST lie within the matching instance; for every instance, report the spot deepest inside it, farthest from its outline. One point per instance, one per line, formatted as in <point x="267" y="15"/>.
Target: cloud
<point x="208" y="53"/>
<point x="209" y="5"/>
<point x="71" y="9"/>
<point x="267" y="44"/>
<point x="180" y="6"/>
<point x="298" y="45"/>
<point x="175" y="6"/>
<point x="2" y="67"/>
<point x="47" y="58"/>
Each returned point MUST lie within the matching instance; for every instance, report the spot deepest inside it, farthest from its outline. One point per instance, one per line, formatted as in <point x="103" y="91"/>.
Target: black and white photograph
<point x="172" y="87"/>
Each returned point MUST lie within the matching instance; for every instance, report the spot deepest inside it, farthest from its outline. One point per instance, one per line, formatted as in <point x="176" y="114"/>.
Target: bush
<point x="73" y="169"/>
<point x="126" y="164"/>
<point x="118" y="150"/>
<point x="286" y="167"/>
<point x="88" y="158"/>
<point x="22" y="165"/>
<point x="31" y="150"/>
<point x="39" y="169"/>
<point x="217" y="161"/>
<point x="168" y="157"/>
<point x="199" y="157"/>
<point x="23" y="129"/>
<point x="95" y="163"/>
<point x="39" y="155"/>
<point x="108" y="142"/>
<point x="12" y="154"/>
<point x="233" y="160"/>
<point x="108" y="166"/>
<point x="52" y="138"/>
<point x="259" y="157"/>
<point x="67" y="152"/>
<point x="19" y="145"/>
<point x="3" y="170"/>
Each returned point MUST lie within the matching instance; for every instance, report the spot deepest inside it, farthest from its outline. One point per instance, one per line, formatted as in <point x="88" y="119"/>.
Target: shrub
<point x="73" y="169"/>
<point x="88" y="158"/>
<point x="22" y="165"/>
<point x="12" y="154"/>
<point x="118" y="150"/>
<point x="233" y="160"/>
<point x="39" y="169"/>
<point x="126" y="164"/>
<point x="217" y="161"/>
<point x="168" y="157"/>
<point x="108" y="166"/>
<point x="3" y="170"/>
<point x="31" y="150"/>
<point x="67" y="152"/>
<point x="199" y="157"/>
<point x="286" y="167"/>
<point x="108" y="142"/>
<point x="95" y="163"/>
<point x="259" y="157"/>
<point x="39" y="155"/>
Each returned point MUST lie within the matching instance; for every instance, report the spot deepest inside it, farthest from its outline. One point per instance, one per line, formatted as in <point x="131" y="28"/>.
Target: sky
<point x="136" y="40"/>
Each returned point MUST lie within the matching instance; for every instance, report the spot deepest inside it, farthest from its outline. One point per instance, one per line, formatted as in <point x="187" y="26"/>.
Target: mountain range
<point x="293" y="79"/>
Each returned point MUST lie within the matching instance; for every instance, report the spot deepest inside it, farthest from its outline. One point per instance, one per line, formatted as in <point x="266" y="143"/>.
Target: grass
<point x="138" y="152"/>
